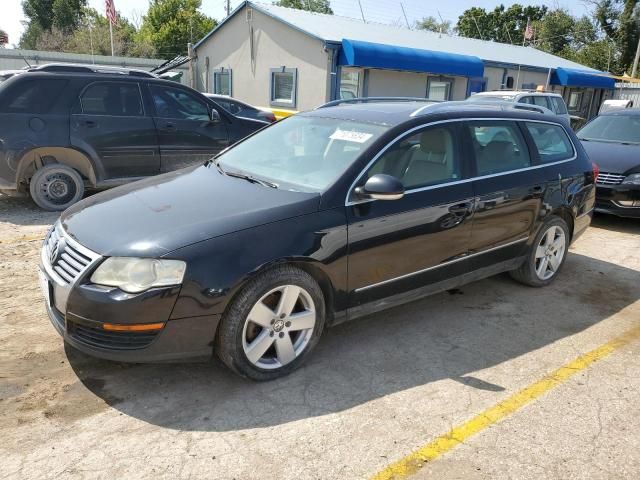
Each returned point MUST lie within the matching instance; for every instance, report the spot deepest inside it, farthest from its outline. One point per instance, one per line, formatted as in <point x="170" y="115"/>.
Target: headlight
<point x="633" y="179"/>
<point x="134" y="275"/>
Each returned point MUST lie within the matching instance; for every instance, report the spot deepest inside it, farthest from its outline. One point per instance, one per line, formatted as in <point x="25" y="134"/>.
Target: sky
<point x="382" y="11"/>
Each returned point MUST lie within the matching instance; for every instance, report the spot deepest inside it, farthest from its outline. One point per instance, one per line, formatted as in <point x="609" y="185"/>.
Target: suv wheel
<point x="272" y="325"/>
<point x="56" y="187"/>
<point x="546" y="256"/>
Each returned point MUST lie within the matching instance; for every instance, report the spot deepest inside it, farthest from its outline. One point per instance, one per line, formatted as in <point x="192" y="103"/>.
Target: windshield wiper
<point x="244" y="176"/>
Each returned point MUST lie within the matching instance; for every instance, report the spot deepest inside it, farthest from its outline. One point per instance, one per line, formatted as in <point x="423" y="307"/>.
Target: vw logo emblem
<point x="56" y="251"/>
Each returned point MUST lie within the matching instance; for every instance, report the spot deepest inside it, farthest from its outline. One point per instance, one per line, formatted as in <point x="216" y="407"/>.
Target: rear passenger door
<point x="508" y="190"/>
<point x="109" y="123"/>
<point x="186" y="131"/>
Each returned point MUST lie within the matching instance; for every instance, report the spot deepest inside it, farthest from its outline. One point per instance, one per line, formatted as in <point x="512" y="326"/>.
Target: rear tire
<point x="546" y="256"/>
<point x="56" y="187"/>
<point x="272" y="325"/>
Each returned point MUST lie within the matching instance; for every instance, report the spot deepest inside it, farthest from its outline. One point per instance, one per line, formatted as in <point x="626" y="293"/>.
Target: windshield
<point x="612" y="128"/>
<point x="301" y="153"/>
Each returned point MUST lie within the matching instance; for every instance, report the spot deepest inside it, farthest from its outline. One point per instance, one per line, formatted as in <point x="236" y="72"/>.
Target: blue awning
<point x="570" y="77"/>
<point x="379" y="55"/>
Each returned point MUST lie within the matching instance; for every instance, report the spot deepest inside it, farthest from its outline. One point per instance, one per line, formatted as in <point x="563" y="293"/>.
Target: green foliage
<point x="620" y="21"/>
<point x="318" y="6"/>
<point x="506" y="25"/>
<point x="170" y="24"/>
<point x="434" y="25"/>
<point x="46" y="14"/>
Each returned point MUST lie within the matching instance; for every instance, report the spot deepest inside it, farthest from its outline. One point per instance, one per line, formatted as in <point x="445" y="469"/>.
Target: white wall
<point x="275" y="45"/>
<point x="393" y="83"/>
<point x="494" y="77"/>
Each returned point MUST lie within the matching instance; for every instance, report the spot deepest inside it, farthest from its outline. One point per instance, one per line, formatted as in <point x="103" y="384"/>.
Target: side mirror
<point x="381" y="187"/>
<point x="214" y="116"/>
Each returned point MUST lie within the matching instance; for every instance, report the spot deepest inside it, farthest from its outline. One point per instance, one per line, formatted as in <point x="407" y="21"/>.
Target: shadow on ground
<point x="446" y="336"/>
<point x="616" y="224"/>
<point x="22" y="211"/>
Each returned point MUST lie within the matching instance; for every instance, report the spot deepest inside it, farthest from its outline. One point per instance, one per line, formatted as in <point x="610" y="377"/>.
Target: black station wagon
<point x="320" y="218"/>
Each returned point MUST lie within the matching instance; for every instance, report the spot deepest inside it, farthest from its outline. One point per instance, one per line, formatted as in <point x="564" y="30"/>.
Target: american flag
<point x="111" y="12"/>
<point x="528" y="32"/>
<point x="4" y="38"/>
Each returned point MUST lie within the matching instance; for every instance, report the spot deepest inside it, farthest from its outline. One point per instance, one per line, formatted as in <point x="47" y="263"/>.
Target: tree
<point x="620" y="20"/>
<point x="44" y="15"/>
<point x="170" y="24"/>
<point x="555" y="31"/>
<point x="506" y="25"/>
<point x="433" y="25"/>
<point x="317" y="6"/>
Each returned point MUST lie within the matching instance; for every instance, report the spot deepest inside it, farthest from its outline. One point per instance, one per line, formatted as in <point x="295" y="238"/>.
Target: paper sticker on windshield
<point x="351" y="136"/>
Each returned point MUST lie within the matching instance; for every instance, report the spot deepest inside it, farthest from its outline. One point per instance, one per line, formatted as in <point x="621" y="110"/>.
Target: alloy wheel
<point x="279" y="327"/>
<point x="550" y="252"/>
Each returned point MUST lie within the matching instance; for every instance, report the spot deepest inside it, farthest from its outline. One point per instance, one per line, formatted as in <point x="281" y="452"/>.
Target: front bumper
<point x="611" y="199"/>
<point x="79" y="311"/>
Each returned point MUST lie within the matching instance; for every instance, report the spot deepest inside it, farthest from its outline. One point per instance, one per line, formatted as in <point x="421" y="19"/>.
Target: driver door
<point x="399" y="245"/>
<point x="186" y="133"/>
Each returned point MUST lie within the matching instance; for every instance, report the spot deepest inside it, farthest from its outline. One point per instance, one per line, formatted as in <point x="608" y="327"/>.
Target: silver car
<point x="549" y="100"/>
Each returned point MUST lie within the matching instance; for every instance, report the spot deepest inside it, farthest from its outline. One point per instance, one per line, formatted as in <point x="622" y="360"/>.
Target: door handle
<point x="169" y="126"/>
<point x="89" y="124"/>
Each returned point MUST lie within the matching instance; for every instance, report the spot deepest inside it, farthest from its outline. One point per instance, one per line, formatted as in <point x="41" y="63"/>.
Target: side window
<point x="559" y="107"/>
<point x="498" y="146"/>
<point x="429" y="157"/>
<point x="541" y="101"/>
<point x="528" y="100"/>
<point x="116" y="99"/>
<point x="551" y="141"/>
<point x="32" y="96"/>
<point x="176" y="103"/>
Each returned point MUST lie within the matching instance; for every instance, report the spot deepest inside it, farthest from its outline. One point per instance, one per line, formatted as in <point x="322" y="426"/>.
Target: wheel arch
<point x="565" y="214"/>
<point x="307" y="265"/>
<point x="38" y="157"/>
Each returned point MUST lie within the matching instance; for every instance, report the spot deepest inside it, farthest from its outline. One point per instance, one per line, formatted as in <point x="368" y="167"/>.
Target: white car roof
<point x="513" y="93"/>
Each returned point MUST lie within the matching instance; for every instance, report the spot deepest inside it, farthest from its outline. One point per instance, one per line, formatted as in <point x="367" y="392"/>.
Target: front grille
<point x="66" y="258"/>
<point x="97" y="337"/>
<point x="606" y="178"/>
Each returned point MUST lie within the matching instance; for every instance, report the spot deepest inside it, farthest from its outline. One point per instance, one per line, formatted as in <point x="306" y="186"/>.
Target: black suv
<point x="70" y="127"/>
<point x="319" y="218"/>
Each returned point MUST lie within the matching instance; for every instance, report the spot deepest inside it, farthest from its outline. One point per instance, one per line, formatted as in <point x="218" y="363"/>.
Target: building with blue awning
<point x="285" y="58"/>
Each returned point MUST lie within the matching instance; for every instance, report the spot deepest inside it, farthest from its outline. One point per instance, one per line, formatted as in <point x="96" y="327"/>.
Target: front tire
<point x="272" y="325"/>
<point x="546" y="256"/>
<point x="56" y="187"/>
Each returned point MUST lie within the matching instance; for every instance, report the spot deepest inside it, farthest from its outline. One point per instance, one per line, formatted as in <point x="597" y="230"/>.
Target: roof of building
<point x="334" y="28"/>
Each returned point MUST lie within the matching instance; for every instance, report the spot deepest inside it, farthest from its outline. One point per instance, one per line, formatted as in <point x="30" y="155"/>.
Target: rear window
<point x="551" y="141"/>
<point x="32" y="96"/>
<point x="559" y="106"/>
<point x="499" y="147"/>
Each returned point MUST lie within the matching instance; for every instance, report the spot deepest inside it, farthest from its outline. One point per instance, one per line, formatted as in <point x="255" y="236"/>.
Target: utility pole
<point x="405" y="15"/>
<point x="192" y="69"/>
<point x="361" y="11"/>
<point x="634" y="71"/>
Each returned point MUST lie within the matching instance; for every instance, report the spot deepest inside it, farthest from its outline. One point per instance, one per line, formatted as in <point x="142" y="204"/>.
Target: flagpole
<point x="111" y="33"/>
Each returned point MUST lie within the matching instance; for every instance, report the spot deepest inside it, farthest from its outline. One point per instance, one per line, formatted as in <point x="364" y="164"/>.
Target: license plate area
<point x="45" y="286"/>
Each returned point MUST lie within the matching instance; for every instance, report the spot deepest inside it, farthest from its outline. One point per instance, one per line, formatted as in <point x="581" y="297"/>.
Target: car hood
<point x="613" y="157"/>
<point x="154" y="216"/>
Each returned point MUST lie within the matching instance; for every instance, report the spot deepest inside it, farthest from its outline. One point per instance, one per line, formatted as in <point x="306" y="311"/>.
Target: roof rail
<point x="374" y="100"/>
<point x="74" y="67"/>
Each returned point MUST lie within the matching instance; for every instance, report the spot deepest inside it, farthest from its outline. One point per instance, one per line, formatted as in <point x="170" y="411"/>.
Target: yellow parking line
<point x="31" y="238"/>
<point x="429" y="452"/>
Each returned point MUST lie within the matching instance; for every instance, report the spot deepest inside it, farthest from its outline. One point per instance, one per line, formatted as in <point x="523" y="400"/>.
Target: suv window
<point x="558" y="105"/>
<point x="539" y="100"/>
<point x="110" y="98"/>
<point x="176" y="103"/>
<point x="551" y="141"/>
<point x="32" y="96"/>
<point x="498" y="146"/>
<point x="428" y="157"/>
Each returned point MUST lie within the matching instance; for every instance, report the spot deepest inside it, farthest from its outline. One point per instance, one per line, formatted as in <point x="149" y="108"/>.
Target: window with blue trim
<point x="222" y="81"/>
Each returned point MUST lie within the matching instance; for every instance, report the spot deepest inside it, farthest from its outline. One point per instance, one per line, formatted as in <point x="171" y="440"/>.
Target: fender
<point x="36" y="157"/>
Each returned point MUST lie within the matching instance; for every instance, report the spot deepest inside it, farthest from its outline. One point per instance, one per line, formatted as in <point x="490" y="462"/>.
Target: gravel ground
<point x="374" y="390"/>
